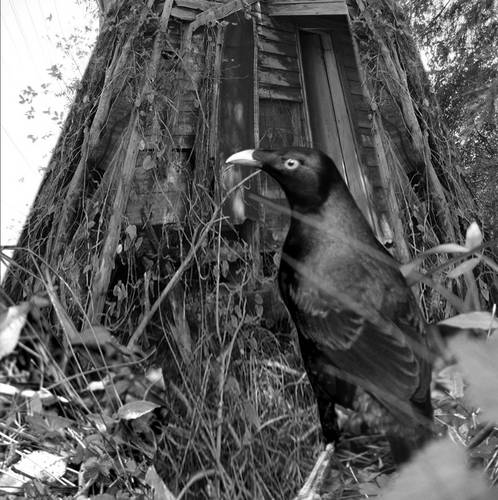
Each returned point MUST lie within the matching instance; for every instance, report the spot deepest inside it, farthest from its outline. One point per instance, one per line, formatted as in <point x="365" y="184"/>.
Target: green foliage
<point x="460" y="41"/>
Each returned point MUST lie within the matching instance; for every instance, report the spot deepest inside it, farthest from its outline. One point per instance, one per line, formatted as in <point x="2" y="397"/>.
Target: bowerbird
<point x="358" y="321"/>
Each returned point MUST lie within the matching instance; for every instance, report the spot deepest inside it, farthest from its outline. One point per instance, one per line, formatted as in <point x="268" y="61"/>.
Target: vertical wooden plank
<point x="320" y="106"/>
<point x="304" y="105"/>
<point x="236" y="126"/>
<point x="215" y="99"/>
<point x="354" y="174"/>
<point x="254" y="229"/>
<point x="236" y="111"/>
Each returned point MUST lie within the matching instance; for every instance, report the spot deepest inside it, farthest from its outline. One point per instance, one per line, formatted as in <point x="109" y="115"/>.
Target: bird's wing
<point x="358" y="342"/>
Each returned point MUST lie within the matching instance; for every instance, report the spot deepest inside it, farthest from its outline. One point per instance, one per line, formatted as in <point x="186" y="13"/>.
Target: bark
<point x="401" y="98"/>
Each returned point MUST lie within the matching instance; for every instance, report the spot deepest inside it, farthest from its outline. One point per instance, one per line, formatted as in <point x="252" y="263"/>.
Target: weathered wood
<point x="280" y="93"/>
<point x="275" y="61"/>
<point x="157" y="207"/>
<point x="345" y="128"/>
<point x="281" y="124"/>
<point x="276" y="23"/>
<point x="215" y="92"/>
<point x="321" y="110"/>
<point x="219" y="12"/>
<point x="304" y="107"/>
<point x="126" y="169"/>
<point x="305" y="2"/>
<point x="272" y="47"/>
<point x="196" y="4"/>
<point x="252" y="232"/>
<point x="310" y="8"/>
<point x="183" y="14"/>
<point x="279" y="78"/>
<point x="183" y="141"/>
<point x="236" y="111"/>
<point x="355" y="88"/>
<point x="276" y="34"/>
<point x="360" y="112"/>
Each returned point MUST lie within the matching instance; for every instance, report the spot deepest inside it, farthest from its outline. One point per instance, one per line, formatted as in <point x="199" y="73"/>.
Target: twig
<point x="184" y="265"/>
<point x="483" y="434"/>
<point x="313" y="485"/>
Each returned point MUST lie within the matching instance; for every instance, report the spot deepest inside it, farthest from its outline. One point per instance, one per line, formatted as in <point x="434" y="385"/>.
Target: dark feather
<point x="357" y="320"/>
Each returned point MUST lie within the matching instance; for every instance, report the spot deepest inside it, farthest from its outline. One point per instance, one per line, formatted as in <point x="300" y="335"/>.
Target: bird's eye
<point x="290" y="163"/>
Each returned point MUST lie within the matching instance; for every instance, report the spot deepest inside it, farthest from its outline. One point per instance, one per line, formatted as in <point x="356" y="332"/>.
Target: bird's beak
<point x="245" y="157"/>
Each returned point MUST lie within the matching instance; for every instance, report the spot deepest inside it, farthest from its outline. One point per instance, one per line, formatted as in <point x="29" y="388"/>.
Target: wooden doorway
<point x="331" y="124"/>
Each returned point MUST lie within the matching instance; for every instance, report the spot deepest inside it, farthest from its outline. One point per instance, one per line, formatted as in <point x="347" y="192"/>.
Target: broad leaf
<point x="477" y="320"/>
<point x="136" y="409"/>
<point x="161" y="491"/>
<point x="12" y="322"/>
<point x="464" y="267"/>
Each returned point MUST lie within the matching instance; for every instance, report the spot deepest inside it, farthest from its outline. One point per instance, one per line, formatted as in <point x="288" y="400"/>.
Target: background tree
<point x="460" y="41"/>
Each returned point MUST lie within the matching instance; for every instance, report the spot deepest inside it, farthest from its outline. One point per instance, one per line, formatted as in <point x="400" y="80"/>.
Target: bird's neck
<point x="337" y="217"/>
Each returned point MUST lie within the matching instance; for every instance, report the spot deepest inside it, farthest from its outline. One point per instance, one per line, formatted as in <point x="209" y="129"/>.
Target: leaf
<point x="93" y="336"/>
<point x="464" y="267"/>
<point x="43" y="395"/>
<point x="96" y="385"/>
<point x="155" y="376"/>
<point x="473" y="236"/>
<point x="476" y="320"/>
<point x="92" y="469"/>
<point x="161" y="491"/>
<point x="41" y="465"/>
<point x="131" y="231"/>
<point x="136" y="409"/>
<point x="478" y="363"/>
<point x="11" y="323"/>
<point x="148" y="163"/>
<point x="491" y="263"/>
<point x="11" y="482"/>
<point x="8" y="390"/>
<point x="138" y="243"/>
<point x="448" y="248"/>
<point x="438" y="472"/>
<point x="410" y="268"/>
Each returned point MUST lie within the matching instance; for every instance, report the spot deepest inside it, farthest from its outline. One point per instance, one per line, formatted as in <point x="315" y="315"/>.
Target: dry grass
<point x="236" y="417"/>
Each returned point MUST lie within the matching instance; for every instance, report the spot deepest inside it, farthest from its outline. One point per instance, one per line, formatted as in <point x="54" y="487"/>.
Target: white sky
<point x="30" y="30"/>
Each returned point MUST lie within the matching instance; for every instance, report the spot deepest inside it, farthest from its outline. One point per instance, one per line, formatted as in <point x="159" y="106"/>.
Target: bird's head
<point x="306" y="175"/>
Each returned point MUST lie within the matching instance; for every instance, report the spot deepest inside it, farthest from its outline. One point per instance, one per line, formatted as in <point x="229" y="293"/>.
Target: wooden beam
<point x="307" y="8"/>
<point x="219" y="12"/>
<point x="184" y="14"/>
<point x="196" y="4"/>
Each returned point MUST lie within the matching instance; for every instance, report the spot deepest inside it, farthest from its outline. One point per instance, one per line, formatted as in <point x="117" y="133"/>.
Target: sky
<point x="30" y="32"/>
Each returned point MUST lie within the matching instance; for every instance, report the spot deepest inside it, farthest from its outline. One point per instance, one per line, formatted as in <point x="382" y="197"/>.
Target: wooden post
<point x="236" y="121"/>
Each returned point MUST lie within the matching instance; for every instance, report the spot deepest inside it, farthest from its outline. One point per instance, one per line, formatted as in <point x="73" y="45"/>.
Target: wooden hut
<point x="286" y="73"/>
<point x="176" y="86"/>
